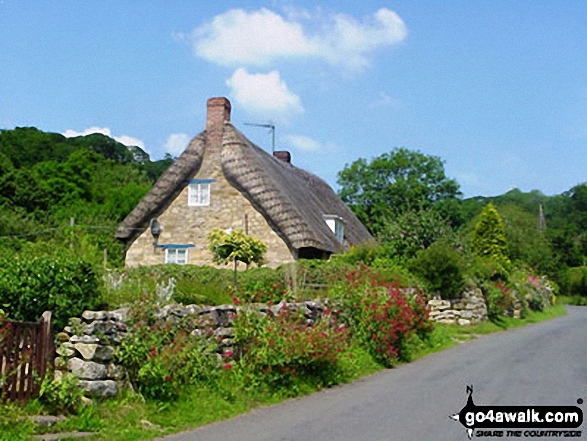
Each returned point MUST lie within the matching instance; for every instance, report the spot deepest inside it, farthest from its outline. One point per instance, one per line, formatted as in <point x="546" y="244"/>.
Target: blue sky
<point x="497" y="89"/>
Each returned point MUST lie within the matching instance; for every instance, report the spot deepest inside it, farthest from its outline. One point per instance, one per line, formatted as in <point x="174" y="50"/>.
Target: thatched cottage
<point x="222" y="180"/>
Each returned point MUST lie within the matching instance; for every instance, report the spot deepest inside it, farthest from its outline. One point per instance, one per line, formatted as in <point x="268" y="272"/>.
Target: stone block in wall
<point x="87" y="339"/>
<point x="90" y="316"/>
<point x="95" y="352"/>
<point x="120" y="315"/>
<point x="102" y="327"/>
<point x="65" y="349"/>
<point x="99" y="388"/>
<point x="115" y="371"/>
<point x="439" y="304"/>
<point x="224" y="333"/>
<point x="87" y="370"/>
<point x="464" y="322"/>
<point x="62" y="337"/>
<point x="205" y="321"/>
<point x="466" y="314"/>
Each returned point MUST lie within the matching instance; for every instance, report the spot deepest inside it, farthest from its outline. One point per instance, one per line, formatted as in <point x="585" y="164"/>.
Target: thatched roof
<point x="292" y="200"/>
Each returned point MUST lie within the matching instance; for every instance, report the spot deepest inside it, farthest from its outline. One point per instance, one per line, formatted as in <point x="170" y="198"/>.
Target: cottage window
<point x="199" y="192"/>
<point x="176" y="255"/>
<point x="336" y="225"/>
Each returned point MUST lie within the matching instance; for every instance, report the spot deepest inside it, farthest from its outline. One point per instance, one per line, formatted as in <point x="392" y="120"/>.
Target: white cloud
<point x="306" y="144"/>
<point x="176" y="143"/>
<point x="257" y="38"/>
<point x="124" y="139"/>
<point x="264" y="95"/>
<point x="385" y="100"/>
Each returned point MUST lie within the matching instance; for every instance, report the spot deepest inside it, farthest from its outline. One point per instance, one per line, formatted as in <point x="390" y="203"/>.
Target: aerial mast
<point x="269" y="126"/>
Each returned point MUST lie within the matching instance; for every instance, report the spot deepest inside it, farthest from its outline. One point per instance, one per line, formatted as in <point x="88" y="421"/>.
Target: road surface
<point x="540" y="364"/>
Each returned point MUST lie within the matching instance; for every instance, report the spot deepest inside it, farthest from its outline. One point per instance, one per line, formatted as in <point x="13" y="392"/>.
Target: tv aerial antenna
<point x="269" y="126"/>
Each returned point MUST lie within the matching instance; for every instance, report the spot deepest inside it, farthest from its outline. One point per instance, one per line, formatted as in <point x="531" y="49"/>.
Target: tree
<point x="413" y="231"/>
<point x="235" y="246"/>
<point x="489" y="236"/>
<point x="526" y="243"/>
<point x="395" y="183"/>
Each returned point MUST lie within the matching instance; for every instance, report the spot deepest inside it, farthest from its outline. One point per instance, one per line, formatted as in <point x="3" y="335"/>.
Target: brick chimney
<point x="283" y="155"/>
<point x="218" y="112"/>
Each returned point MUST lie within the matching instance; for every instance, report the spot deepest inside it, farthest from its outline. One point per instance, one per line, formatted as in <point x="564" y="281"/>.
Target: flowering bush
<point x="160" y="356"/>
<point x="500" y="300"/>
<point x="382" y="316"/>
<point x="286" y="347"/>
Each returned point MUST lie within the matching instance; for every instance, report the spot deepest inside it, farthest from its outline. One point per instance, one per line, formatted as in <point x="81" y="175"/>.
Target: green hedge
<point x="573" y="281"/>
<point x="65" y="285"/>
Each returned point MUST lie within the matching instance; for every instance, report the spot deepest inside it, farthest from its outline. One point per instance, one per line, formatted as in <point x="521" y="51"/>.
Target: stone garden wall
<point x="467" y="310"/>
<point x="86" y="349"/>
<point x="87" y="345"/>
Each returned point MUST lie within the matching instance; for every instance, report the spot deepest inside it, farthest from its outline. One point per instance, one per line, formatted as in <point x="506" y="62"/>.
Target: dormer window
<point x="336" y="225"/>
<point x="199" y="192"/>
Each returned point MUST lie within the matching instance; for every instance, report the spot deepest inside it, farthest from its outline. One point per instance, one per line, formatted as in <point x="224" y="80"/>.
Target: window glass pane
<point x="181" y="256"/>
<point x="205" y="194"/>
<point x="193" y="194"/>
<point x="170" y="255"/>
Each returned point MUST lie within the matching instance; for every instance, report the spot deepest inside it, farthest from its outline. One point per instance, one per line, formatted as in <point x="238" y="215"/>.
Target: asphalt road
<point x="541" y="364"/>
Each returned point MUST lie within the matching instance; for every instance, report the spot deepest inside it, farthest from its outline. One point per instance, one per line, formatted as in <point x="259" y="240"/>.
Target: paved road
<point x="544" y="364"/>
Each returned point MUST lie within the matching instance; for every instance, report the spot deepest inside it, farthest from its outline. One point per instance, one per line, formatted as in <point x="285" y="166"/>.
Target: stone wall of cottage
<point x="86" y="347"/>
<point x="228" y="208"/>
<point x="470" y="309"/>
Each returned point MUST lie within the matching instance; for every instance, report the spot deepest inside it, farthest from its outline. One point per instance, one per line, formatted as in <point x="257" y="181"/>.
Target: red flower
<point x="153" y="351"/>
<point x="227" y="366"/>
<point x="169" y="378"/>
<point x="227" y="354"/>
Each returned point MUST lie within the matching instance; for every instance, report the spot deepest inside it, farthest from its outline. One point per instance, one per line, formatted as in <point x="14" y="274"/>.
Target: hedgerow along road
<point x="539" y="364"/>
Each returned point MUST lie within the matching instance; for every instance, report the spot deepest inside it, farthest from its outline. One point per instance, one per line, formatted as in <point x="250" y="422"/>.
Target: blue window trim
<point x="170" y="246"/>
<point x="201" y="181"/>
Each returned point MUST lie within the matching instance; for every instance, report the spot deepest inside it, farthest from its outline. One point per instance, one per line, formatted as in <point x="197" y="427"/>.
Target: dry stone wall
<point x="86" y="347"/>
<point x="467" y="310"/>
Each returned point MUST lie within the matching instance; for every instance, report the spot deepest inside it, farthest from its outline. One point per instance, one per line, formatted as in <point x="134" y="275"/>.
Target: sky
<point x="497" y="89"/>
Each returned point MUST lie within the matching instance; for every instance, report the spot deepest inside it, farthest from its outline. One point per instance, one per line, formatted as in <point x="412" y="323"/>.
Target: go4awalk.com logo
<point x="520" y="421"/>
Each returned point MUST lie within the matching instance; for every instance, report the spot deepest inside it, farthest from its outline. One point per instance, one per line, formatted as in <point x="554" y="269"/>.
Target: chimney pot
<point x="283" y="155"/>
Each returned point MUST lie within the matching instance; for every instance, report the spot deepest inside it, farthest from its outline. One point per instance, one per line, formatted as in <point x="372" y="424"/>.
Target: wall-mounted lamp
<point x="156" y="229"/>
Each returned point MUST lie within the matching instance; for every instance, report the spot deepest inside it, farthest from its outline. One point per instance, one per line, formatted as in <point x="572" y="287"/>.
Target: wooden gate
<point x="26" y="349"/>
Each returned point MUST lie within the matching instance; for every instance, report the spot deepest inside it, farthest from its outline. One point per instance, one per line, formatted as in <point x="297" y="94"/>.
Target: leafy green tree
<point x="235" y="246"/>
<point x="489" y="236"/>
<point x="395" y="183"/>
<point x="412" y="231"/>
<point x="526" y="243"/>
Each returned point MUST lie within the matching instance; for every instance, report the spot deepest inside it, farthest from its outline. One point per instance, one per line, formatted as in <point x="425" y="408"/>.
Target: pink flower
<point x="228" y="353"/>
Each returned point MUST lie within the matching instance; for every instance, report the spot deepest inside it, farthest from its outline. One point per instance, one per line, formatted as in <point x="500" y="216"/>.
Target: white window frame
<point x="199" y="194"/>
<point x="339" y="230"/>
<point x="172" y="254"/>
<point x="336" y="225"/>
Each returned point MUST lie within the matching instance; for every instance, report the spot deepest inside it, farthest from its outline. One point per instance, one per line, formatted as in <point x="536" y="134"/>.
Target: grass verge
<point x="132" y="418"/>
